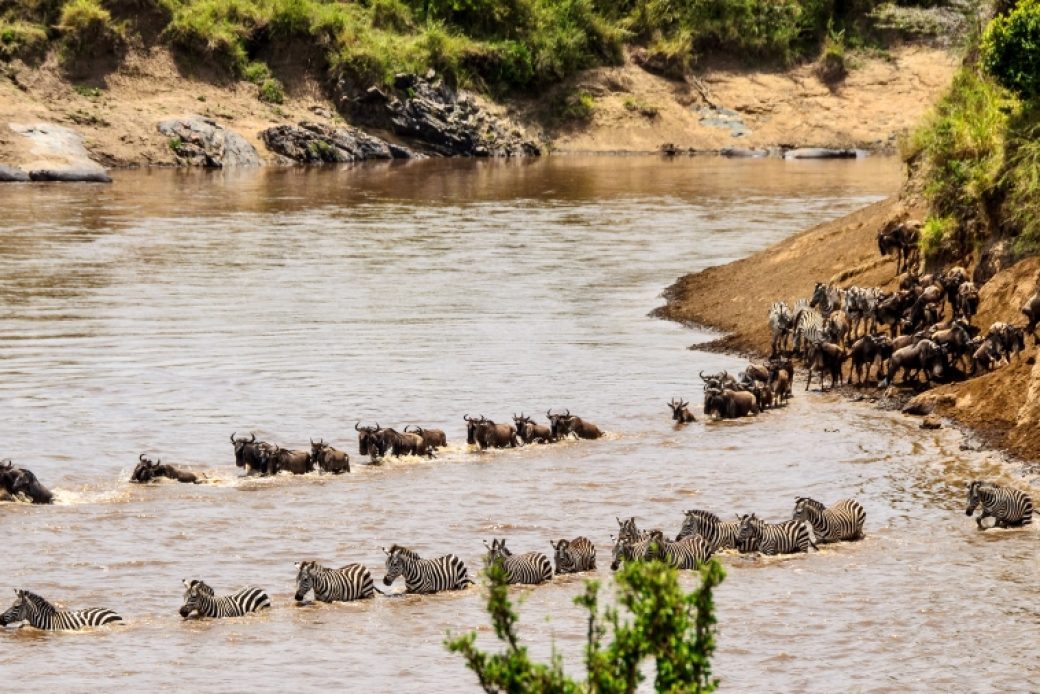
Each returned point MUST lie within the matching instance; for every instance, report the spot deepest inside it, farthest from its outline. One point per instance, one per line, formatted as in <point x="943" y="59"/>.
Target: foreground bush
<point x="1010" y="49"/>
<point x="674" y="628"/>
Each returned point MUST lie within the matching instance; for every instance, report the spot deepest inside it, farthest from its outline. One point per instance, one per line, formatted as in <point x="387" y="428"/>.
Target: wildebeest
<point x="296" y="462"/>
<point x="371" y="441"/>
<point x="19" y="483"/>
<point x="901" y="238"/>
<point x="328" y="459"/>
<point x="924" y="356"/>
<point x="250" y="455"/>
<point x="965" y="301"/>
<point x="1031" y="309"/>
<point x="985" y="357"/>
<point x="729" y="404"/>
<point x="433" y="438"/>
<point x="147" y="470"/>
<point x="825" y="358"/>
<point x="399" y="443"/>
<point x="1007" y="339"/>
<point x="681" y="411"/>
<point x="529" y="432"/>
<point x="568" y="424"/>
<point x="781" y="374"/>
<point x="487" y="434"/>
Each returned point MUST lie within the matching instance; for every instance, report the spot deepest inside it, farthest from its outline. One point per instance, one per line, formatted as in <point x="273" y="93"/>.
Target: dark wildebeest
<point x="955" y="341"/>
<point x="681" y="411"/>
<point x="925" y="355"/>
<point x="399" y="444"/>
<point x="572" y="424"/>
<point x="1031" y="309"/>
<point x="892" y="307"/>
<point x="863" y="353"/>
<point x="986" y="357"/>
<point x="1007" y="339"/>
<point x="902" y="238"/>
<point x="296" y="462"/>
<point x="486" y="434"/>
<point x="371" y="441"/>
<point x="780" y="375"/>
<point x="146" y="471"/>
<point x="18" y="483"/>
<point x="250" y="455"/>
<point x="729" y="404"/>
<point x="433" y="438"/>
<point x="965" y="301"/>
<point x="825" y="358"/>
<point x="529" y="432"/>
<point x="328" y="459"/>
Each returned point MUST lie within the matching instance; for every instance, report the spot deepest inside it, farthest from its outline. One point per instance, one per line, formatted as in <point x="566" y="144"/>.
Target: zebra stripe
<point x="31" y="608"/>
<point x="717" y="533"/>
<point x="425" y="575"/>
<point x="200" y="602"/>
<point x="688" y="553"/>
<point x="842" y="521"/>
<point x="626" y="550"/>
<point x="531" y="568"/>
<point x="627" y="530"/>
<point x="350" y="582"/>
<point x="574" y="556"/>
<point x="808" y="329"/>
<point x="788" y="537"/>
<point x="1008" y="507"/>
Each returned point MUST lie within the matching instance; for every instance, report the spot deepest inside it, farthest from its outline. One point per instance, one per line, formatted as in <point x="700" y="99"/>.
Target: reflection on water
<point x="164" y="312"/>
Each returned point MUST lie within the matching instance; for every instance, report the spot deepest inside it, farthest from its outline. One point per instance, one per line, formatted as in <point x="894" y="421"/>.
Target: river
<point x="164" y="312"/>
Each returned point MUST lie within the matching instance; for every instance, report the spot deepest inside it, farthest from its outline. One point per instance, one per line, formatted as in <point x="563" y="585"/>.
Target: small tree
<point x="674" y="628"/>
<point x="1010" y="49"/>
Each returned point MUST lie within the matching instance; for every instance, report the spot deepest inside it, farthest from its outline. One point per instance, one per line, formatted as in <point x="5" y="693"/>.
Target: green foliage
<point x="833" y="66"/>
<point x="642" y="108"/>
<point x="87" y="91"/>
<point x="87" y="28"/>
<point x="674" y="628"/>
<point x="21" y="39"/>
<point x="573" y="106"/>
<point x="1010" y="49"/>
<point x="936" y="234"/>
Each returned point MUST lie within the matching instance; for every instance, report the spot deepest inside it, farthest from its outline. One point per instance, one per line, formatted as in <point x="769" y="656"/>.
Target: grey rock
<point x="12" y="174"/>
<point x="59" y="155"/>
<point x="70" y="175"/>
<point x="316" y="143"/>
<point x="821" y="153"/>
<point x="739" y="153"/>
<point x="931" y="422"/>
<point x="202" y="142"/>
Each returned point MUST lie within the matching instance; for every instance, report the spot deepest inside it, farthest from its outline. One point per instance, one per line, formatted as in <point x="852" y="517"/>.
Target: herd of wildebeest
<point x="929" y="333"/>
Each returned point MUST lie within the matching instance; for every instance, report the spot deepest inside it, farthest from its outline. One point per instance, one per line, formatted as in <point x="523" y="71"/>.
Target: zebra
<point x="781" y="320"/>
<point x="199" y="601"/>
<point x="574" y="556"/>
<point x="531" y="568"/>
<point x="788" y="537"/>
<point x="351" y="582"/>
<point x="1007" y="507"/>
<point x="627" y="530"/>
<point x="843" y="520"/>
<point x="628" y="549"/>
<point x="30" y="608"/>
<point x="688" y="553"/>
<point x="861" y="307"/>
<point x="828" y="297"/>
<point x="717" y="533"/>
<point x="425" y="575"/>
<point x="808" y="329"/>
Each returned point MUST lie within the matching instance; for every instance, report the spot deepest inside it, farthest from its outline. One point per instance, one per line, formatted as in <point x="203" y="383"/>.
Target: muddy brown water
<point x="166" y="311"/>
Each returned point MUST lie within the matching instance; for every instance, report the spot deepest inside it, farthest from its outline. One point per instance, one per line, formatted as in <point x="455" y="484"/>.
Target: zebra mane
<point x="704" y="515"/>
<point x="38" y="602"/>
<point x="404" y="551"/>
<point x="811" y="502"/>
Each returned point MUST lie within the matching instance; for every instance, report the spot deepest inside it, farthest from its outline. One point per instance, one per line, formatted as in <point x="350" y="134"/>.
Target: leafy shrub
<point x="21" y="39"/>
<point x="832" y="66"/>
<point x="673" y="628"/>
<point x="87" y="28"/>
<point x="1010" y="49"/>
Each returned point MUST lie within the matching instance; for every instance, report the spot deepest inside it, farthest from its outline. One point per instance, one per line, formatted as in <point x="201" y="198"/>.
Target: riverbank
<point x="1002" y="407"/>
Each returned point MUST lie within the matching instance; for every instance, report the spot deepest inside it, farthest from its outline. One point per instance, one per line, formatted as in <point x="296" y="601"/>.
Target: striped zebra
<point x="688" y="553"/>
<point x="425" y="575"/>
<point x="788" y="537"/>
<point x="628" y="549"/>
<point x="350" y="582"/>
<point x="808" y="330"/>
<point x="531" y="568"/>
<point x="628" y="531"/>
<point x="717" y="533"/>
<point x="1008" y="507"/>
<point x="843" y="520"/>
<point x="199" y="602"/>
<point x="861" y="306"/>
<point x="30" y="608"/>
<point x="574" y="556"/>
<point x="828" y="297"/>
<point x="781" y="320"/>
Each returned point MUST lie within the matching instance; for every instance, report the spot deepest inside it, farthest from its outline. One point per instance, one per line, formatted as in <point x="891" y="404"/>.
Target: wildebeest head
<point x="472" y="426"/>
<point x="144" y="471"/>
<point x="713" y="402"/>
<point x="21" y="482"/>
<point x="369" y="441"/>
<point x="241" y="445"/>
<point x="316" y="448"/>
<point x="558" y="425"/>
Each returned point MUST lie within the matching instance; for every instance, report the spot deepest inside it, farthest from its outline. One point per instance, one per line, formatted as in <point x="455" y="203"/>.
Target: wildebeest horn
<point x="548" y="413"/>
<point x="357" y="426"/>
<point x="311" y="440"/>
<point x="252" y="440"/>
<point x="141" y="457"/>
<point x="568" y="412"/>
<point x="466" y="417"/>
<point x="701" y="374"/>
<point x="233" y="436"/>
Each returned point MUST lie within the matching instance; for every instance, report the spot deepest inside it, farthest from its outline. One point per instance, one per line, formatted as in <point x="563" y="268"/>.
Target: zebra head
<point x="973" y="497"/>
<point x="562" y="556"/>
<point x="305" y="578"/>
<point x="805" y="508"/>
<point x="18" y="612"/>
<point x="750" y="528"/>
<point x="398" y="559"/>
<point x="194" y="592"/>
<point x="627" y="529"/>
<point x="496" y="551"/>
<point x="622" y="551"/>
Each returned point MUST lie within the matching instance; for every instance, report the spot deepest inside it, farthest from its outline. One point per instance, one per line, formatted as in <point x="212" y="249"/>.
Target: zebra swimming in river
<point x="717" y="533"/>
<point x="788" y="537"/>
<point x="687" y="553"/>
<point x="425" y="575"/>
<point x="199" y="602"/>
<point x="842" y="520"/>
<point x="531" y="568"/>
<point x="350" y="582"/>
<point x="1008" y="507"/>
<point x="627" y="549"/>
<point x="574" y="556"/>
<point x="30" y="608"/>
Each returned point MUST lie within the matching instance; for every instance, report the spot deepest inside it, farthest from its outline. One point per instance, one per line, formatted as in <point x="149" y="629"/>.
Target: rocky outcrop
<point x="309" y="143"/>
<point x="430" y="113"/>
<point x="822" y="153"/>
<point x="55" y="153"/>
<point x="198" y="141"/>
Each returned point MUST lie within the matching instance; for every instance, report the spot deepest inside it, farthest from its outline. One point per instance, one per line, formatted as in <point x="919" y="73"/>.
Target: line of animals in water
<point x="702" y="535"/>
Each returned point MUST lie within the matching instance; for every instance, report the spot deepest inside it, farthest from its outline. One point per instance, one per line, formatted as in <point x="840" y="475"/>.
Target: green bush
<point x="87" y="28"/>
<point x="1010" y="49"/>
<point x="673" y="628"/>
<point x="21" y="39"/>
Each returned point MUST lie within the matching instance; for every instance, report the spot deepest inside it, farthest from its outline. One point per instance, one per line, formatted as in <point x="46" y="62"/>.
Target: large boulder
<point x="55" y="153"/>
<point x="12" y="174"/>
<point x="437" y="118"/>
<point x="309" y="143"/>
<point x="198" y="141"/>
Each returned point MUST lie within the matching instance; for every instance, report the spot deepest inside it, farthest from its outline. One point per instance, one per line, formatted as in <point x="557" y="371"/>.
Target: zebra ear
<point x="385" y="552"/>
<point x="185" y="582"/>
<point x="296" y="564"/>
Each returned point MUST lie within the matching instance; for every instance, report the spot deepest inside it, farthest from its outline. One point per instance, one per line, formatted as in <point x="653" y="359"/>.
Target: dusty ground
<point x="1002" y="407"/>
<point x="880" y="98"/>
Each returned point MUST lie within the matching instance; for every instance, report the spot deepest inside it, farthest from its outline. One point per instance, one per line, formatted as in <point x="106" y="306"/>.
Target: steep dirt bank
<point x="1002" y="407"/>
